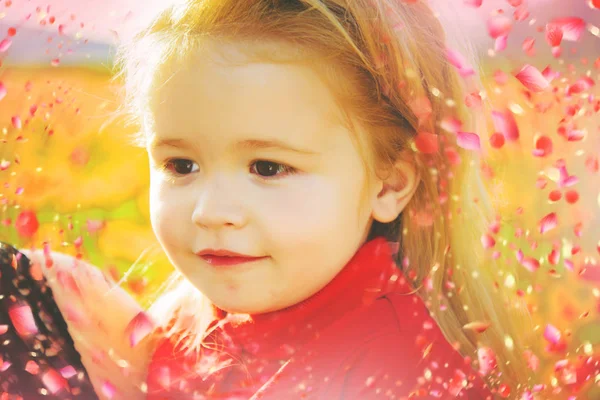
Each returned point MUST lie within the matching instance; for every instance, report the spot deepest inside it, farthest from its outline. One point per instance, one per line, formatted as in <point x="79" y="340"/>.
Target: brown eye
<point x="268" y="169"/>
<point x="180" y="166"/>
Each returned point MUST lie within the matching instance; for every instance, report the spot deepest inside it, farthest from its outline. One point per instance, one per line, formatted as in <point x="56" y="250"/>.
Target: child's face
<point x="216" y="194"/>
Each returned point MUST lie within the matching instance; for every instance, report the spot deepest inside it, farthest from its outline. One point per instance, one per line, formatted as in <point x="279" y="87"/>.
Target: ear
<point x="395" y="191"/>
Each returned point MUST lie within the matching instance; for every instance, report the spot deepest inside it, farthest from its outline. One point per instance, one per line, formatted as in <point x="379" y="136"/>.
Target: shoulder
<point x="109" y="328"/>
<point x="394" y="346"/>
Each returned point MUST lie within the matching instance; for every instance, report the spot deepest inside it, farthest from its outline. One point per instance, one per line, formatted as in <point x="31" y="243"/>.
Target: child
<point x="312" y="278"/>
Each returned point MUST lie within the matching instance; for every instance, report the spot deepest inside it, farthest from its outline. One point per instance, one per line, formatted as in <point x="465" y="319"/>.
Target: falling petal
<point x="554" y="35"/>
<point x="572" y="27"/>
<point x="68" y="372"/>
<point x="582" y="85"/>
<point x="16" y="122"/>
<point x="552" y="334"/>
<point x="54" y="382"/>
<point x="487" y="360"/>
<point x="108" y="390"/>
<point x="497" y="140"/>
<point x="468" y="141"/>
<point x="23" y="320"/>
<point x="138" y="328"/>
<point x="477" y="326"/>
<point x="575" y="135"/>
<point x="473" y="3"/>
<point x="487" y="241"/>
<point x="499" y="26"/>
<point x="533" y="362"/>
<point x="528" y="46"/>
<point x="505" y="123"/>
<point x="553" y="257"/>
<point x="451" y="125"/>
<point x="456" y="59"/>
<point x="32" y="367"/>
<point x="549" y="74"/>
<point x="2" y="91"/>
<point x="500" y="43"/>
<point x="500" y="77"/>
<point x="427" y="143"/>
<point x="530" y="264"/>
<point x="548" y="223"/>
<point x="543" y="146"/>
<point x="5" y="45"/>
<point x="532" y="78"/>
<point x="421" y="107"/>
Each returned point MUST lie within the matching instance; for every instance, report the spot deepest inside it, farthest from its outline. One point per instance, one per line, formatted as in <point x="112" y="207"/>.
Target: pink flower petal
<point x="582" y="85"/>
<point x="572" y="27"/>
<point x="5" y="45"/>
<point x="456" y="59"/>
<point x="500" y="43"/>
<point x="421" y="107"/>
<point x="32" y="367"/>
<point x="451" y="125"/>
<point x="138" y="328"/>
<point x="549" y="74"/>
<point x="553" y="257"/>
<point x="22" y="319"/>
<point x="548" y="223"/>
<point x="575" y="135"/>
<point x="473" y="3"/>
<point x="531" y="264"/>
<point x="2" y="91"/>
<point x="499" y="25"/>
<point x="54" y="382"/>
<point x="505" y="123"/>
<point x="68" y="372"/>
<point x="16" y="122"/>
<point x="108" y="390"/>
<point x="468" y="141"/>
<point x="488" y="241"/>
<point x="532" y="78"/>
<point x="543" y="146"/>
<point x="427" y="143"/>
<point x="552" y="334"/>
<point x="533" y="362"/>
<point x="487" y="360"/>
<point x="477" y="326"/>
<point x="554" y="35"/>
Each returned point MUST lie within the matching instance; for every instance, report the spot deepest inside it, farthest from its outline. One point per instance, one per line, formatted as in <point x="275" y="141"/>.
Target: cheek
<point x="310" y="210"/>
<point x="166" y="212"/>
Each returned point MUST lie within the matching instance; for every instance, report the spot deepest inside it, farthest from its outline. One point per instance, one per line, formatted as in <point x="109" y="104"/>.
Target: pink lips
<point x="225" y="257"/>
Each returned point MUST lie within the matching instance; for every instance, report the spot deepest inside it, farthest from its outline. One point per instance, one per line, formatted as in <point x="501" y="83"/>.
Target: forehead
<point x="221" y="90"/>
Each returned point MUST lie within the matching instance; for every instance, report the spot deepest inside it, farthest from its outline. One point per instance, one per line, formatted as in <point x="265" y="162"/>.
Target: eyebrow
<point x="247" y="144"/>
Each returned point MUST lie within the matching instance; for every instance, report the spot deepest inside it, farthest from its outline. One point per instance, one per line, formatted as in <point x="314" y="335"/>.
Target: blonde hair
<point x="377" y="56"/>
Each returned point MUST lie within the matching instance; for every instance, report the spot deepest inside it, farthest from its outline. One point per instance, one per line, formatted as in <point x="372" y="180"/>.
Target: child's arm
<point x="98" y="313"/>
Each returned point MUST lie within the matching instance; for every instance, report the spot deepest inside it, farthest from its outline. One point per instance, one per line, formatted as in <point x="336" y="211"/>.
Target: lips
<point x="225" y="257"/>
<point x="228" y="260"/>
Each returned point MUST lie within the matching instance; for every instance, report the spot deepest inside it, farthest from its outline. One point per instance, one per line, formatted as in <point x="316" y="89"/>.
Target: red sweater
<point x="364" y="336"/>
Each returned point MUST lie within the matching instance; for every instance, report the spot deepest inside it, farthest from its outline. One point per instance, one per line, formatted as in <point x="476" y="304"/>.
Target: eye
<point x="179" y="166"/>
<point x="270" y="169"/>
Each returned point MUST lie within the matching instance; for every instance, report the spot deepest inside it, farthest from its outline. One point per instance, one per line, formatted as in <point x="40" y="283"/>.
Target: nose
<point x="218" y="205"/>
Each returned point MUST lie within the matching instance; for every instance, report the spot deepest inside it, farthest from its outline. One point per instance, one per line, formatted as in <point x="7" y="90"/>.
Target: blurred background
<point x="72" y="180"/>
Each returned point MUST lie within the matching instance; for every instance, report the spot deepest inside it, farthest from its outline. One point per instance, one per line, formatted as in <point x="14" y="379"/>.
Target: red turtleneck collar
<point x="370" y="273"/>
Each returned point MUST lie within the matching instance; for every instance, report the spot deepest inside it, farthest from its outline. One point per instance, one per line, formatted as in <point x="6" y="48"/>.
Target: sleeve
<point x="38" y="359"/>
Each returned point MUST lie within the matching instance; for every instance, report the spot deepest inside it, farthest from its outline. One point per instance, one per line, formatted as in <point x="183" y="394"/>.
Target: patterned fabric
<point x="37" y="357"/>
